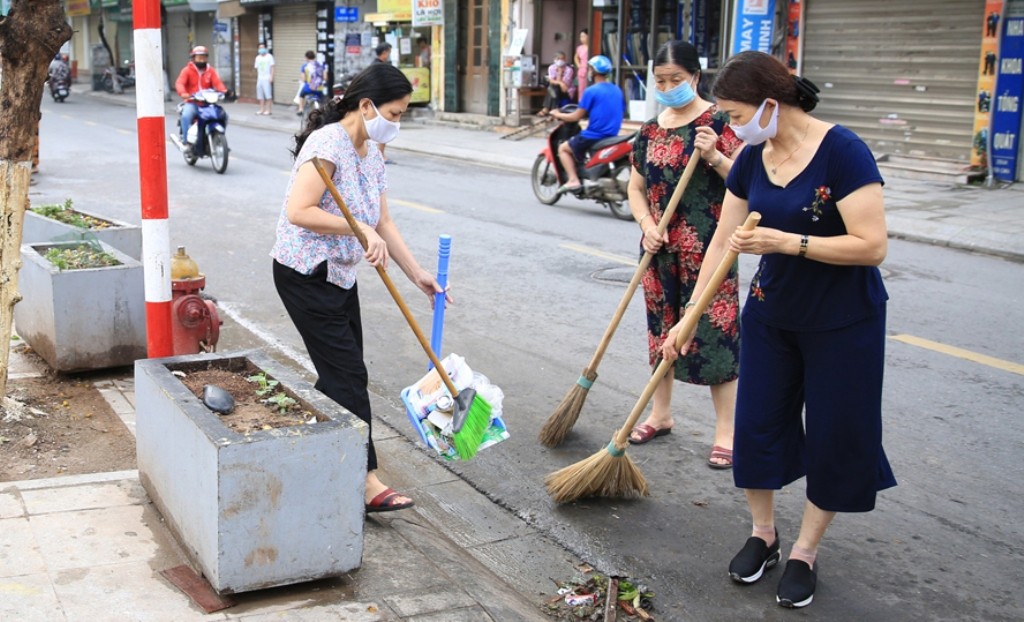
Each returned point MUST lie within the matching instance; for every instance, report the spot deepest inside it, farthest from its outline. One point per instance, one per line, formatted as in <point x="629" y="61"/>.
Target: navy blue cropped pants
<point x="837" y="376"/>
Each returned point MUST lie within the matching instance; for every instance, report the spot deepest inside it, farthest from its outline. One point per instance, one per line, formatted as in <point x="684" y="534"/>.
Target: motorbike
<point x="206" y="135"/>
<point x="115" y="80"/>
<point x="313" y="101"/>
<point x="60" y="88"/>
<point x="604" y="174"/>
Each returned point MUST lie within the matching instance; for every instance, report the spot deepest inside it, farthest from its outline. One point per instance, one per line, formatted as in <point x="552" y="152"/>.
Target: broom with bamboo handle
<point x="471" y="413"/>
<point x="568" y="410"/>
<point x="610" y="472"/>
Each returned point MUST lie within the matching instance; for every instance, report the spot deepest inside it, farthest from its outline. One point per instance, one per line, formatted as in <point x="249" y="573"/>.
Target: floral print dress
<point x="660" y="155"/>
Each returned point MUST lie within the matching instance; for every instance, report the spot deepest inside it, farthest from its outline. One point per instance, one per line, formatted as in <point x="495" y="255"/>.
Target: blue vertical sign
<point x="1006" y="113"/>
<point x="752" y="26"/>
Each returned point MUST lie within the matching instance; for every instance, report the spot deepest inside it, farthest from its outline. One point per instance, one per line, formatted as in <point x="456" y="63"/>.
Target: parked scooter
<point x="205" y="135"/>
<point x="119" y="79"/>
<point x="604" y="175"/>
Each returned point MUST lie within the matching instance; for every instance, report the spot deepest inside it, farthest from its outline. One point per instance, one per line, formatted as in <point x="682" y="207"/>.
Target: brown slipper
<point x="722" y="454"/>
<point x="645" y="433"/>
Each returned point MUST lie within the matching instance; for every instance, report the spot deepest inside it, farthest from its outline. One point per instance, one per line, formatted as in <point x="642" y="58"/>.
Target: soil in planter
<point x="65" y="214"/>
<point x="79" y="257"/>
<point x="251" y="413"/>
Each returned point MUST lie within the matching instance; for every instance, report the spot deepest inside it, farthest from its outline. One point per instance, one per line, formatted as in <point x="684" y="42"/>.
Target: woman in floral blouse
<point x="665" y="144"/>
<point x="316" y="253"/>
<point x="810" y="394"/>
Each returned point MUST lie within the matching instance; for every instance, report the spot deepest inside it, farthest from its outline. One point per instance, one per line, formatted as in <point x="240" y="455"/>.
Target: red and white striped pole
<point x="156" y="239"/>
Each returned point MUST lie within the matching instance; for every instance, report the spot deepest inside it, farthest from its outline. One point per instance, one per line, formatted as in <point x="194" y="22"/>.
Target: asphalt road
<point x="535" y="287"/>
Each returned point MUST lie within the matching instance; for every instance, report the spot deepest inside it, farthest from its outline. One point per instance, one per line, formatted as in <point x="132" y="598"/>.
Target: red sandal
<point x="722" y="454"/>
<point x="387" y="501"/>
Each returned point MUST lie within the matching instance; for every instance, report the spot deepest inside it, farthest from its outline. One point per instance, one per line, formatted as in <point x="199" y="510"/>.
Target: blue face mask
<point x="676" y="97"/>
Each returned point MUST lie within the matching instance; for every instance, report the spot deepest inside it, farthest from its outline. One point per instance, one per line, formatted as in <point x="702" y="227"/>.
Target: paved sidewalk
<point x="91" y="547"/>
<point x="973" y="218"/>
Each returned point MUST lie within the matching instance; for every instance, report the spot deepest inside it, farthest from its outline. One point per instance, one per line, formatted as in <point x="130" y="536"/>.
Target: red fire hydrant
<point x="195" y="325"/>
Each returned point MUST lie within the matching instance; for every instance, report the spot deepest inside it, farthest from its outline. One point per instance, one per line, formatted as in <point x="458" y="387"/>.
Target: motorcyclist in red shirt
<point x="194" y="77"/>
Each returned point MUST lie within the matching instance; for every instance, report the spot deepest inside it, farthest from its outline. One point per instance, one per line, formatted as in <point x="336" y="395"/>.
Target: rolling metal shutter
<point x="901" y="75"/>
<point x="294" y="35"/>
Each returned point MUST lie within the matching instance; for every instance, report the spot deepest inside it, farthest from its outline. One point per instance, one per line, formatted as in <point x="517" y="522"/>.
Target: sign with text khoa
<point x="752" y="26"/>
<point x="1006" y="110"/>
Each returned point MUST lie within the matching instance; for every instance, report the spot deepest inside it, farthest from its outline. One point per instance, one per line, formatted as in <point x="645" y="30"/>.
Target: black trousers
<point x="328" y="319"/>
<point x="554" y="97"/>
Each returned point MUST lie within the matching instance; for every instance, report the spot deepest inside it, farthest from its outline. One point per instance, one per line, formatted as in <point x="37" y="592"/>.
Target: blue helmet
<point x="601" y="64"/>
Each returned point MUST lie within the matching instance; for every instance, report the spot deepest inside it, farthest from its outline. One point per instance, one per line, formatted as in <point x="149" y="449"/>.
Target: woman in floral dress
<point x="664" y="146"/>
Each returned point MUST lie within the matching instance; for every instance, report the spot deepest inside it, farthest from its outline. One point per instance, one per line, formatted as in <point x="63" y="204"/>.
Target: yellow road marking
<point x="417" y="206"/>
<point x="935" y="346"/>
<point x="603" y="255"/>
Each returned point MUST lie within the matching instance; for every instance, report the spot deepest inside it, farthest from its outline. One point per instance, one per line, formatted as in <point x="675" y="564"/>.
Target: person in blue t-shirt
<point x="602" y="104"/>
<point x="813" y="327"/>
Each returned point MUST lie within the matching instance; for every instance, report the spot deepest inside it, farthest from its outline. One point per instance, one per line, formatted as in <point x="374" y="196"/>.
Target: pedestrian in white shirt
<point x="264" y="80"/>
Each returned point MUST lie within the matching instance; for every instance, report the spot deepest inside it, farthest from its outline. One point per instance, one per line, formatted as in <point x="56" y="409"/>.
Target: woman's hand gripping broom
<point x="471" y="414"/>
<point x="610" y="472"/>
<point x="564" y="418"/>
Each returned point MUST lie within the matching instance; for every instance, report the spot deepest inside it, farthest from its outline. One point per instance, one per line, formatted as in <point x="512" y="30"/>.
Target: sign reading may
<point x="427" y="13"/>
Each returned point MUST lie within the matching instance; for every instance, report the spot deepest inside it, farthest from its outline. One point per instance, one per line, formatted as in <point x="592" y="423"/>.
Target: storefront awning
<point x="230" y="8"/>
<point x="202" y="5"/>
<point x="383" y="18"/>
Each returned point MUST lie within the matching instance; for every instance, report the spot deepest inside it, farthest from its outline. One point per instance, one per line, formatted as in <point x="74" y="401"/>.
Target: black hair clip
<point x="806" y="90"/>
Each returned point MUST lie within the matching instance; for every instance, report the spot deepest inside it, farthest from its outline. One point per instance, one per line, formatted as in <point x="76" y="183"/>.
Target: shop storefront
<point x="411" y="44"/>
<point x="904" y="79"/>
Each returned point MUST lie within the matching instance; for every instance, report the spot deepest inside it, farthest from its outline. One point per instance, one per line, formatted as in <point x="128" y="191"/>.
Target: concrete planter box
<point x="121" y="235"/>
<point x="79" y="320"/>
<point x="258" y="510"/>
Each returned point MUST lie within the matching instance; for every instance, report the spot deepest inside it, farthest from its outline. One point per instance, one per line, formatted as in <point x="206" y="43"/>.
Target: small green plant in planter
<point x="66" y="214"/>
<point x="281" y="401"/>
<point x="266" y="385"/>
<point x="80" y="257"/>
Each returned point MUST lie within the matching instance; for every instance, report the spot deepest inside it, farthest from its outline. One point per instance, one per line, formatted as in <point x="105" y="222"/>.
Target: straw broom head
<point x="608" y="473"/>
<point x="558" y="425"/>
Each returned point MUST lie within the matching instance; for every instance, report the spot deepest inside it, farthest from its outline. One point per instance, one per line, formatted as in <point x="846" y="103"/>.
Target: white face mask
<point x="380" y="129"/>
<point x="752" y="133"/>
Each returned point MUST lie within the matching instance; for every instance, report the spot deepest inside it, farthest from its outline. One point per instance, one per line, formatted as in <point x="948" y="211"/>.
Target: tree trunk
<point x="30" y="36"/>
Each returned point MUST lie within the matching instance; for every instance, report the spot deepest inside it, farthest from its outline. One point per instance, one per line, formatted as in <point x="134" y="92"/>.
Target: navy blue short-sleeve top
<point x="796" y="293"/>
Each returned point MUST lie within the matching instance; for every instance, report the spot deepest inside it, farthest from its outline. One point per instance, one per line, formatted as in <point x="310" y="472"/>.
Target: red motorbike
<point x="604" y="175"/>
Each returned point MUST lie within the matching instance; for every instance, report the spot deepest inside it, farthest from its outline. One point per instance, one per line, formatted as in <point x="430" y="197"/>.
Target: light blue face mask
<point x="676" y="97"/>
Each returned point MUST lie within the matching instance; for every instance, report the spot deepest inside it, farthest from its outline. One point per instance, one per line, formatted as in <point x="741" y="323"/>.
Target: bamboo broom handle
<point x="673" y="202"/>
<point x="354" y="225"/>
<point x="689" y="323"/>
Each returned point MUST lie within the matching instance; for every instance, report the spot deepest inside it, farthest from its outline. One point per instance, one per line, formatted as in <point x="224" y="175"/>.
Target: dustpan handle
<point x="444" y="249"/>
<point x="354" y="225"/>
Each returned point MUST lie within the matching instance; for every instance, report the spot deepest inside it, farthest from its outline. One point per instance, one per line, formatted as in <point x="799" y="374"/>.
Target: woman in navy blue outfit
<point x="813" y="325"/>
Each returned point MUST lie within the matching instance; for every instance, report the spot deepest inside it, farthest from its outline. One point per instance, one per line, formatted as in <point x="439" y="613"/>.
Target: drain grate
<point x="617" y="274"/>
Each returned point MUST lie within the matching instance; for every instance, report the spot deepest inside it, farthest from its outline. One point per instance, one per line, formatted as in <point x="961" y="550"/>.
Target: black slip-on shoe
<point x="796" y="587"/>
<point x="753" y="559"/>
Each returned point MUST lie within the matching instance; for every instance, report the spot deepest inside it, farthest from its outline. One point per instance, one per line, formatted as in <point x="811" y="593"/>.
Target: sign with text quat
<point x="1006" y="110"/>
